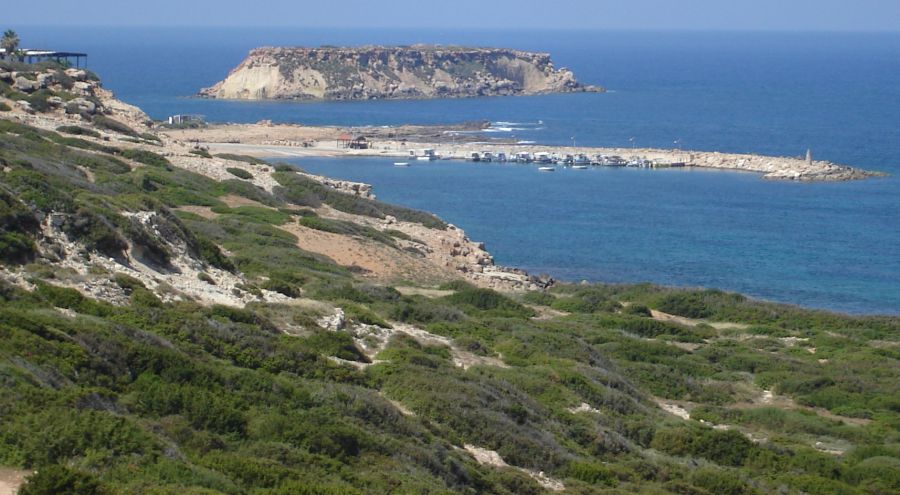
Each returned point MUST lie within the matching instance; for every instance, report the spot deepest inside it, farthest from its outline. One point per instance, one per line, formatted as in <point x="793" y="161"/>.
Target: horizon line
<point x="474" y="28"/>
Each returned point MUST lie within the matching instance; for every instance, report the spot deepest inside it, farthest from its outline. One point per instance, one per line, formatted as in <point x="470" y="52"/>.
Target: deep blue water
<point x="826" y="245"/>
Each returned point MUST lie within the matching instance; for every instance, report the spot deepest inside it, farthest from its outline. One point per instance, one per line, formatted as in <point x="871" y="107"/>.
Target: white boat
<point x="401" y="164"/>
<point x="547" y="169"/>
<point x="580" y="167"/>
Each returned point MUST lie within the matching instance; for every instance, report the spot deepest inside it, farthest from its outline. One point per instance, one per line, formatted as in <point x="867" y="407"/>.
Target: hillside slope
<point x="376" y="72"/>
<point x="170" y="324"/>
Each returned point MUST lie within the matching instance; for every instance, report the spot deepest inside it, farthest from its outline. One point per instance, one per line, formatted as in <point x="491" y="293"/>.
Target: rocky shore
<point x="393" y="72"/>
<point x="55" y="100"/>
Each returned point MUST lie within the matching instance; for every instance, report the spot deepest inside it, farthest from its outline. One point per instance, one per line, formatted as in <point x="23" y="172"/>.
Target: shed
<point x="359" y="143"/>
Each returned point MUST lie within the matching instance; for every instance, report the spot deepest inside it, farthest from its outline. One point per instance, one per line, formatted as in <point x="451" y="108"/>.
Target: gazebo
<point x="344" y="140"/>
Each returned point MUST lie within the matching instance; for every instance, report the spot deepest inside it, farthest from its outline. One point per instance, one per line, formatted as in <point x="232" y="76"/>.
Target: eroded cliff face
<point x="417" y="71"/>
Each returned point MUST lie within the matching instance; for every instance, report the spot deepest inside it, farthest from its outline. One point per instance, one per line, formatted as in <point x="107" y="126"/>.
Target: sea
<point x="834" y="246"/>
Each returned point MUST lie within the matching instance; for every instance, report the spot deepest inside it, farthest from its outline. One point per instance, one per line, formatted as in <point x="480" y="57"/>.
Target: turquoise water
<point x="821" y="245"/>
<point x="834" y="246"/>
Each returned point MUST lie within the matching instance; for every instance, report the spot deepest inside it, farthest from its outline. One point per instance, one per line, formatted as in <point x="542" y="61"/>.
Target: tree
<point x="10" y="42"/>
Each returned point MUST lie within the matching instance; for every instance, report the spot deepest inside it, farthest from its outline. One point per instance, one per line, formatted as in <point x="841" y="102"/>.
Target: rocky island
<point x="379" y="72"/>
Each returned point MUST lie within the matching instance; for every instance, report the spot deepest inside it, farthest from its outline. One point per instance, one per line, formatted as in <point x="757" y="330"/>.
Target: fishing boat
<point x="582" y="159"/>
<point x="547" y="169"/>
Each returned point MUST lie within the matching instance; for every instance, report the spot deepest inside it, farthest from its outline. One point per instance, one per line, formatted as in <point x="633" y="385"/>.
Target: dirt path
<point x="11" y="480"/>
<point x="692" y="322"/>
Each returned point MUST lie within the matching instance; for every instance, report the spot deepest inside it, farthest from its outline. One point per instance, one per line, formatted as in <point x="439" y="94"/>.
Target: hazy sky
<point x="854" y="15"/>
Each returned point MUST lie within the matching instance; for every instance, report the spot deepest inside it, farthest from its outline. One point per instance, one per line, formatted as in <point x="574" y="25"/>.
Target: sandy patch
<point x="492" y="458"/>
<point x="584" y="407"/>
<point x="429" y="293"/>
<point x="233" y="201"/>
<point x="693" y="322"/>
<point x="11" y="480"/>
<point x="202" y="211"/>
<point x="673" y="408"/>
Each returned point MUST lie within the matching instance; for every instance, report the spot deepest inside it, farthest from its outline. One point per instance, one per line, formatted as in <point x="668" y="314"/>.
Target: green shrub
<point x="127" y="282"/>
<point x="591" y="472"/>
<point x="458" y="284"/>
<point x="239" y="173"/>
<point x="687" y="304"/>
<point x="720" y="482"/>
<point x="60" y="480"/>
<point x="113" y="125"/>
<point x="728" y="448"/>
<point x="365" y="316"/>
<point x="489" y="301"/>
<point x="422" y="310"/>
<point x="4" y="107"/>
<point x="201" y="152"/>
<point x="538" y="298"/>
<point x="210" y="253"/>
<point x="148" y="136"/>
<point x="147" y="158"/>
<point x="241" y="158"/>
<point x="78" y="131"/>
<point x="637" y="310"/>
<point x="259" y="214"/>
<point x="303" y="191"/>
<point x="16" y="248"/>
<point x="96" y="231"/>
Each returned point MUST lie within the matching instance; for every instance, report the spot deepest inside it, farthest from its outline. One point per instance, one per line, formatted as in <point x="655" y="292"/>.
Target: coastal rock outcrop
<point x="379" y="72"/>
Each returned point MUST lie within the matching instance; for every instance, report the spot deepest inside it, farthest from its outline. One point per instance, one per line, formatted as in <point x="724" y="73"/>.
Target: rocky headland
<point x="383" y="72"/>
<point x="53" y="105"/>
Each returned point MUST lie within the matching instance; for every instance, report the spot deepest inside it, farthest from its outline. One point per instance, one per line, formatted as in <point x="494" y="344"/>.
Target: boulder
<point x="55" y="101"/>
<point x="26" y="85"/>
<point x="6" y="76"/>
<point x="45" y="79"/>
<point x="80" y="106"/>
<point x="83" y="88"/>
<point x="77" y="74"/>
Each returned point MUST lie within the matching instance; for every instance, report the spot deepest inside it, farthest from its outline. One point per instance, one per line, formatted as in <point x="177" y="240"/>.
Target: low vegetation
<point x="153" y="394"/>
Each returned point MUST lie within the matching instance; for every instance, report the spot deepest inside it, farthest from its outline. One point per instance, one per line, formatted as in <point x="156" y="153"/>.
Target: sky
<point x="792" y="15"/>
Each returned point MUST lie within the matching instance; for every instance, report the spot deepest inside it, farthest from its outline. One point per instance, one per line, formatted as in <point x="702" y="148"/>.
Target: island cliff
<point x="377" y="72"/>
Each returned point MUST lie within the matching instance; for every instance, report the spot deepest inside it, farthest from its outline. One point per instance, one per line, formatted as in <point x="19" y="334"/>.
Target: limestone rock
<point x="26" y="85"/>
<point x="45" y="79"/>
<point x="77" y="74"/>
<point x="81" y="105"/>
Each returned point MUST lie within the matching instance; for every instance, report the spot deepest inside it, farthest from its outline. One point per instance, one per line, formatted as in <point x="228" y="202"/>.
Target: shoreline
<point x="264" y="140"/>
